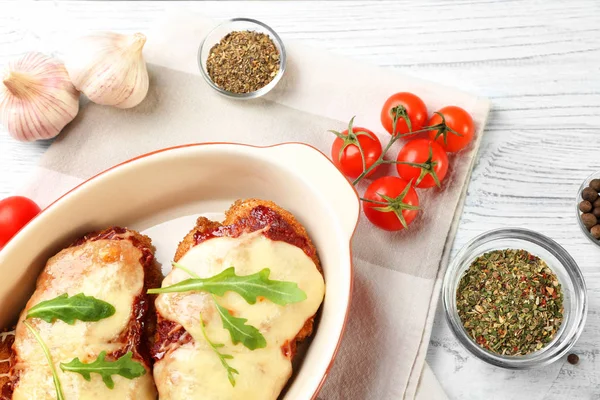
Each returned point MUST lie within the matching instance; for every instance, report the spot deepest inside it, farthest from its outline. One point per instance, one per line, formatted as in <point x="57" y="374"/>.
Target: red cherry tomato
<point x="457" y="120"/>
<point x="391" y="203"/>
<point x="346" y="155"/>
<point x="416" y="111"/>
<point x="429" y="163"/>
<point x="15" y="212"/>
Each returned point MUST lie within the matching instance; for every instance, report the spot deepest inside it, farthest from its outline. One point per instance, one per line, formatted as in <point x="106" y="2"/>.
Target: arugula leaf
<point x="223" y="357"/>
<point x="248" y="335"/>
<point x="238" y="330"/>
<point x="185" y="269"/>
<point x="68" y="309"/>
<point x="124" y="366"/>
<point x="248" y="286"/>
<point x="57" y="385"/>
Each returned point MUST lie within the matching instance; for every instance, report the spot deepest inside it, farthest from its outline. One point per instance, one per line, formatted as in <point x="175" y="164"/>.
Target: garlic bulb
<point x="37" y="99"/>
<point x="109" y="68"/>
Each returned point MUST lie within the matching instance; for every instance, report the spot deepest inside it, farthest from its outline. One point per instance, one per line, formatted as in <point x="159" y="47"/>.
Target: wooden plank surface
<point x="539" y="62"/>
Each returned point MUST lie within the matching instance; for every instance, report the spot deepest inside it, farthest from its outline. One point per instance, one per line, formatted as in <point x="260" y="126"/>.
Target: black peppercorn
<point x="595" y="184"/>
<point x="589" y="194"/>
<point x="589" y="220"/>
<point x="585" y="206"/>
<point x="595" y="231"/>
<point x="573" y="359"/>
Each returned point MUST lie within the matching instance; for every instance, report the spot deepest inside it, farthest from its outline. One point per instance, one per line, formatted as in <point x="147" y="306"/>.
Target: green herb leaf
<point x="57" y="385"/>
<point x="248" y="335"/>
<point x="68" y="309"/>
<point x="124" y="366"/>
<point x="223" y="357"/>
<point x="248" y="286"/>
<point x="185" y="269"/>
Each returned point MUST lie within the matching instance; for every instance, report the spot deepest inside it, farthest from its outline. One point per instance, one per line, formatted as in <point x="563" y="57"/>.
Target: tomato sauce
<point x="274" y="227"/>
<point x="168" y="333"/>
<point x="261" y="217"/>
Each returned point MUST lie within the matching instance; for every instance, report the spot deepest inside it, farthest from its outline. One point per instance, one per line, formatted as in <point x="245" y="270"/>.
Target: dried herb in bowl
<point x="510" y="302"/>
<point x="243" y="61"/>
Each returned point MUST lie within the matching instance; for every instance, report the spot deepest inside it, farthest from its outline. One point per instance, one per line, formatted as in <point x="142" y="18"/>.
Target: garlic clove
<point x="37" y="99"/>
<point x="109" y="68"/>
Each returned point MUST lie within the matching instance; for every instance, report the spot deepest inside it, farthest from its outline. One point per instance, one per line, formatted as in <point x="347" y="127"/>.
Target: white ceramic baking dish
<point x="162" y="193"/>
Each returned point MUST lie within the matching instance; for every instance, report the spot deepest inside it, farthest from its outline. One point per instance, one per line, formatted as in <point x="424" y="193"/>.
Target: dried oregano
<point x="243" y="61"/>
<point x="510" y="302"/>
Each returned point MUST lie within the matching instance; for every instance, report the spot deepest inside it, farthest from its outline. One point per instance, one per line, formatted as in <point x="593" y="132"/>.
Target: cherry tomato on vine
<point x="424" y="162"/>
<point x="390" y="203"/>
<point x="457" y="133"/>
<point x="345" y="152"/>
<point x="414" y="109"/>
<point x="15" y="212"/>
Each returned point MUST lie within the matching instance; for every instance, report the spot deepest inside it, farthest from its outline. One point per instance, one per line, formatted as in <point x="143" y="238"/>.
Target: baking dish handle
<point x="321" y="174"/>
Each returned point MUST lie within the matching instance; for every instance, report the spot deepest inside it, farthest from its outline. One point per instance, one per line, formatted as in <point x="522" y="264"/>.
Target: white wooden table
<point x="539" y="62"/>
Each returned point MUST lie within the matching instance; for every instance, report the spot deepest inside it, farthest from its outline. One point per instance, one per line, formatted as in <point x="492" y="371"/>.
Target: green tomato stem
<point x="393" y="140"/>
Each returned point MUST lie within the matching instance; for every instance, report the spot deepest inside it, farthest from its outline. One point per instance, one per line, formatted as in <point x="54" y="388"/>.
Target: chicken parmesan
<point x="237" y="342"/>
<point x="83" y="333"/>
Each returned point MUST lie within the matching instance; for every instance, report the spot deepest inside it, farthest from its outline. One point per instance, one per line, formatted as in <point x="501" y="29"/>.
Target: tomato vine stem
<point x="427" y="168"/>
<point x="383" y="203"/>
<point x="394" y="204"/>
<point x="444" y="129"/>
<point x="399" y="112"/>
<point x="352" y="138"/>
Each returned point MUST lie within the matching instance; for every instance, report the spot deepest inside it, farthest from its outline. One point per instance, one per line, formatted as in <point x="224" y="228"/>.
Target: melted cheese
<point x="193" y="371"/>
<point x="108" y="270"/>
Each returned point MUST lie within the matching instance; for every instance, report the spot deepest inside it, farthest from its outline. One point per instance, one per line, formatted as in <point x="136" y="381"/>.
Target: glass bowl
<point x="240" y="24"/>
<point x="578" y="200"/>
<point x="561" y="263"/>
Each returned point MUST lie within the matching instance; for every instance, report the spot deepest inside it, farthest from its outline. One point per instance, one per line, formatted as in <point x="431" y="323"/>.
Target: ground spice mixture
<point x="510" y="302"/>
<point x="243" y="61"/>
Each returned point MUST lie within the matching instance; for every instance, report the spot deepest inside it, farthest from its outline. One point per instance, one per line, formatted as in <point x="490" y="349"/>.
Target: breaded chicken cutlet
<point x="115" y="266"/>
<point x="255" y="234"/>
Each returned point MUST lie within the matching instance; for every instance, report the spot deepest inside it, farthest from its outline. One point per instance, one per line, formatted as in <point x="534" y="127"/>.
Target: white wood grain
<point x="539" y="62"/>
